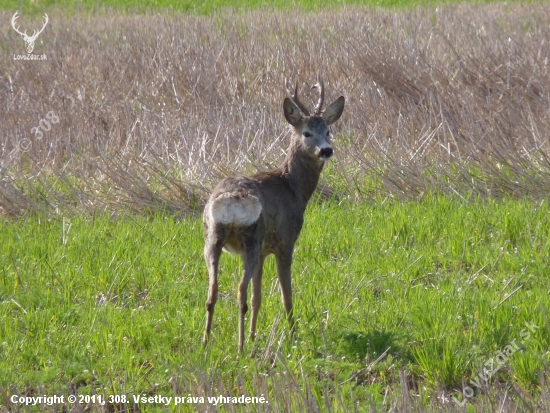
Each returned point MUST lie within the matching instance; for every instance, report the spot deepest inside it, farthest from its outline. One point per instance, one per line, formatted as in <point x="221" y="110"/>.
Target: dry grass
<point x="153" y="109"/>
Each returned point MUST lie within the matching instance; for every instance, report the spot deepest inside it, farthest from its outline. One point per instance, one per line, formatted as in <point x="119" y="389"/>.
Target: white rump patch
<point x="236" y="208"/>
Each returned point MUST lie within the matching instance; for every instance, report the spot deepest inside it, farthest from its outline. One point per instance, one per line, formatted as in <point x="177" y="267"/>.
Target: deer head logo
<point x="29" y="40"/>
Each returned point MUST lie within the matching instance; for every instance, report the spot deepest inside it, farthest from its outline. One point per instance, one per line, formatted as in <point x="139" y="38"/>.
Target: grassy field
<point x="420" y="277"/>
<point x="199" y="7"/>
<point x="435" y="287"/>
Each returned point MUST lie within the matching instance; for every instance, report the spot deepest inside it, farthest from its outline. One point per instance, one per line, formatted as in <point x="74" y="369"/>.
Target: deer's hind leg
<point x="256" y="297"/>
<point x="251" y="255"/>
<point x="215" y="239"/>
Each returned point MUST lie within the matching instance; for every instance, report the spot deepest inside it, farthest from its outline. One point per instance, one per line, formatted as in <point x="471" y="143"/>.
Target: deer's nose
<point x="326" y="152"/>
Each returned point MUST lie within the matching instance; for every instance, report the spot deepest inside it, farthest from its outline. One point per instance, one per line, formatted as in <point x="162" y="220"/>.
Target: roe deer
<point x="262" y="214"/>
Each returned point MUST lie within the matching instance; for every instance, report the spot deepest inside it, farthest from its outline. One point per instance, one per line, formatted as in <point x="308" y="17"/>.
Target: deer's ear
<point x="334" y="111"/>
<point x="292" y="112"/>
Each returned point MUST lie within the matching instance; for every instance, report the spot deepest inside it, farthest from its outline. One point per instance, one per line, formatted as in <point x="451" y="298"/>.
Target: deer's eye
<point x="307" y="135"/>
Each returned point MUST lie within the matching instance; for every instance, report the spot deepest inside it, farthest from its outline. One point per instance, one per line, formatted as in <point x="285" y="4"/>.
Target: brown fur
<point x="283" y="194"/>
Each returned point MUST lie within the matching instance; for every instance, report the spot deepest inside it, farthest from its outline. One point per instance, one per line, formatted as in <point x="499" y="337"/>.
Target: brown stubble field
<point x="154" y="109"/>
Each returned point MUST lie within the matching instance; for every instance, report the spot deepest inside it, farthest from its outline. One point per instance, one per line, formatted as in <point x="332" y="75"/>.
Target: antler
<point x="36" y="33"/>
<point x="13" y="19"/>
<point x="321" y="86"/>
<point x="294" y="97"/>
<point x="24" y="34"/>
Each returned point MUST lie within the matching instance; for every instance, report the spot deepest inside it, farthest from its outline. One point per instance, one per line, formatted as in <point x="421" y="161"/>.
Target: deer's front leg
<point x="284" y="262"/>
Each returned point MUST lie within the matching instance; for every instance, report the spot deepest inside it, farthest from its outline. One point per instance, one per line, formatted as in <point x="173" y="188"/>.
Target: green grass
<point x="198" y="7"/>
<point x="116" y="306"/>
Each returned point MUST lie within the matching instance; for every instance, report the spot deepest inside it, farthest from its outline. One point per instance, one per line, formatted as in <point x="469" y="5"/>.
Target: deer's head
<point x="311" y="131"/>
<point x="29" y="40"/>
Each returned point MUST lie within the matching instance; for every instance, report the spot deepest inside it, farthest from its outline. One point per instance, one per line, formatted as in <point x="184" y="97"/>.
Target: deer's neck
<point x="302" y="172"/>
